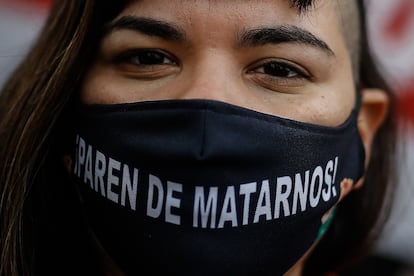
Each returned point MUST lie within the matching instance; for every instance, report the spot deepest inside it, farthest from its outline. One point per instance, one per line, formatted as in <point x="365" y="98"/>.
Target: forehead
<point x="318" y="16"/>
<point x="223" y="21"/>
<point x="299" y="7"/>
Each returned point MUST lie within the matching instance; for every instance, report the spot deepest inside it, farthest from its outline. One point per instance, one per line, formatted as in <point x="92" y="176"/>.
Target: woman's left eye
<point x="281" y="69"/>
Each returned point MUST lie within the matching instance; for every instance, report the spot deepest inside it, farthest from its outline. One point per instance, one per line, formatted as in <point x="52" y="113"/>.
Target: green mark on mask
<point x="326" y="225"/>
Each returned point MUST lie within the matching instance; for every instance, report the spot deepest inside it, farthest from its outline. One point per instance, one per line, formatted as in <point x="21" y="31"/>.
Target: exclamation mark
<point x="334" y="177"/>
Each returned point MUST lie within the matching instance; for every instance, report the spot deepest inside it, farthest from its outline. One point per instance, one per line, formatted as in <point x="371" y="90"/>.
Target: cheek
<point x="335" y="109"/>
<point x="346" y="93"/>
<point x="97" y="87"/>
<point x="328" y="105"/>
<point x="105" y="86"/>
<point x="338" y="99"/>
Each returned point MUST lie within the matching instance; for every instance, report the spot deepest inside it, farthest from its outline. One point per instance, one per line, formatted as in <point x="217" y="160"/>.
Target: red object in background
<point x="399" y="23"/>
<point x="406" y="104"/>
<point x="397" y="28"/>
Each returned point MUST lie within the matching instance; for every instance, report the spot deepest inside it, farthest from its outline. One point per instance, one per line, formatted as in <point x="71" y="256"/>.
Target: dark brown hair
<point x="38" y="210"/>
<point x="32" y="103"/>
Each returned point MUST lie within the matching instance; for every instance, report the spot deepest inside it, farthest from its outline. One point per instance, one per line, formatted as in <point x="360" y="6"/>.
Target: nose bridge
<point x="212" y="77"/>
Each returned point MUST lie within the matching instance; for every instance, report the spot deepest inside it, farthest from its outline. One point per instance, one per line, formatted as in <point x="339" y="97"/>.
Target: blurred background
<point x="391" y="25"/>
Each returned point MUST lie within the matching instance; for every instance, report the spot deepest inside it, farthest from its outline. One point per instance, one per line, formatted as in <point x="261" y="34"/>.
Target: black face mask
<point x="198" y="187"/>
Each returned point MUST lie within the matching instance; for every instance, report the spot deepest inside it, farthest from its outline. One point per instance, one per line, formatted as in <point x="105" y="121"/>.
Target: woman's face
<point x="263" y="55"/>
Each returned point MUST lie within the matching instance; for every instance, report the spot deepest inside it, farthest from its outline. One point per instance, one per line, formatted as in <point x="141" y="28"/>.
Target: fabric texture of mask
<point x="199" y="187"/>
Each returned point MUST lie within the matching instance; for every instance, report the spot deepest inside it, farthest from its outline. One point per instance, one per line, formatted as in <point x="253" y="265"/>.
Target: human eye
<point x="149" y="63"/>
<point x="274" y="73"/>
<point x="146" y="57"/>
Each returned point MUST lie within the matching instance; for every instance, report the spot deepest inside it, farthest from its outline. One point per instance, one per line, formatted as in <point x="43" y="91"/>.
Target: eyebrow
<point x="249" y="38"/>
<point x="282" y="34"/>
<point x="147" y="26"/>
<point x="167" y="31"/>
<point x="302" y="5"/>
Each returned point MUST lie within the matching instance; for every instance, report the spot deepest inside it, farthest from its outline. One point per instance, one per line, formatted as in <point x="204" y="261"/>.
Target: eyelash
<point x="130" y="56"/>
<point x="281" y="69"/>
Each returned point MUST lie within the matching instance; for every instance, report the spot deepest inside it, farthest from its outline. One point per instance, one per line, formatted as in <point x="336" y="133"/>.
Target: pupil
<point x="150" y="58"/>
<point x="275" y="69"/>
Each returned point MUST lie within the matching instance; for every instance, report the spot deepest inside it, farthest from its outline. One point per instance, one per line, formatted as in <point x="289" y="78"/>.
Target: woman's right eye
<point x="147" y="63"/>
<point x="144" y="58"/>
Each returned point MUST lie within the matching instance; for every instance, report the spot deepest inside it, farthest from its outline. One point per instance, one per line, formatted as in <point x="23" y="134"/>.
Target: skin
<point x="205" y="59"/>
<point x="318" y="87"/>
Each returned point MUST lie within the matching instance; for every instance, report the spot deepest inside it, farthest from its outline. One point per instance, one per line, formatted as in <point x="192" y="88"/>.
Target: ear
<point x="374" y="109"/>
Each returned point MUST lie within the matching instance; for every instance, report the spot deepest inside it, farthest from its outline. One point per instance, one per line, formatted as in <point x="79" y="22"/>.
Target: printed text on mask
<point x="213" y="206"/>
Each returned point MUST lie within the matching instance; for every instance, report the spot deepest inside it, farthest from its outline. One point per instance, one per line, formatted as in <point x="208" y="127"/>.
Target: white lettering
<point x="100" y="169"/>
<point x="155" y="183"/>
<point x="300" y="192"/>
<point x="247" y="190"/>
<point x="283" y="189"/>
<point x="334" y="176"/>
<point x="88" y="167"/>
<point x="118" y="182"/>
<point x="314" y="199"/>
<point x="228" y="212"/>
<point x="205" y="211"/>
<point x="81" y="154"/>
<point x="172" y="202"/>
<point x="113" y="180"/>
<point x="129" y="187"/>
<point x="326" y="192"/>
<point x="263" y="203"/>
